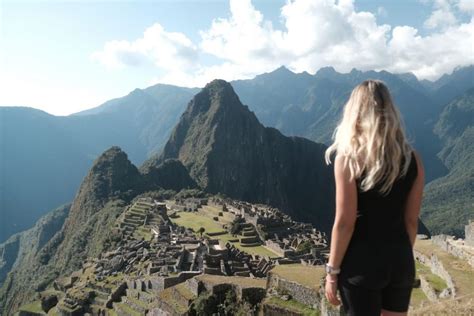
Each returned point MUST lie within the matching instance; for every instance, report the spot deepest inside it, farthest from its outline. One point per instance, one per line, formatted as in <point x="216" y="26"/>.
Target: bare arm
<point x="346" y="211"/>
<point x="413" y="204"/>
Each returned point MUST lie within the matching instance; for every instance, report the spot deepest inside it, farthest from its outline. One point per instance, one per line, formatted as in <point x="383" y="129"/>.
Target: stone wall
<point x="437" y="268"/>
<point x="181" y="277"/>
<point x="274" y="310"/>
<point x="469" y="234"/>
<point x="427" y="289"/>
<point x="298" y="292"/>
<point x="159" y="283"/>
<point x="115" y="295"/>
<point x="275" y="246"/>
<point x="455" y="247"/>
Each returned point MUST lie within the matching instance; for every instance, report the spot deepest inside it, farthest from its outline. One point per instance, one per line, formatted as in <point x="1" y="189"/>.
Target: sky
<point x="67" y="56"/>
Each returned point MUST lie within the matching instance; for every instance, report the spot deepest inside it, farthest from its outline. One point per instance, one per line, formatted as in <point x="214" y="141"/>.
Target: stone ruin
<point x="155" y="254"/>
<point x="230" y="261"/>
<point x="279" y="232"/>
<point x="469" y="233"/>
<point x="189" y="204"/>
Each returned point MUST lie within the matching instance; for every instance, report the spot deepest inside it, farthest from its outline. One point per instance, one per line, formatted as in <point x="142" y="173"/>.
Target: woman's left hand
<point x="331" y="289"/>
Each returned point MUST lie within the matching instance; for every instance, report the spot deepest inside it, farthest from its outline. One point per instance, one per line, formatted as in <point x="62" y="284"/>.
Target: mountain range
<point x="45" y="157"/>
<point x="218" y="145"/>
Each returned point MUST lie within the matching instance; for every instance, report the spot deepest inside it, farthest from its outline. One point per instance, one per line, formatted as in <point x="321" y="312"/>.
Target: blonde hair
<point x="371" y="137"/>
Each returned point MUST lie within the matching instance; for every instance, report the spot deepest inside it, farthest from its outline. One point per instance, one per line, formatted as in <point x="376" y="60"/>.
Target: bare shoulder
<point x="341" y="170"/>
<point x="339" y="163"/>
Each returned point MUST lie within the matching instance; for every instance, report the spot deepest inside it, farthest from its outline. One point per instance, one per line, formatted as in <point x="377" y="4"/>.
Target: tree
<point x="201" y="230"/>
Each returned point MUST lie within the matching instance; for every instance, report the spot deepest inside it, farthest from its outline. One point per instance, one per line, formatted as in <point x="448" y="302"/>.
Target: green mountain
<point x="218" y="146"/>
<point x="141" y="122"/>
<point x="87" y="231"/>
<point x="44" y="158"/>
<point x="310" y="106"/>
<point x="21" y="247"/>
<point x="449" y="200"/>
<point x="227" y="150"/>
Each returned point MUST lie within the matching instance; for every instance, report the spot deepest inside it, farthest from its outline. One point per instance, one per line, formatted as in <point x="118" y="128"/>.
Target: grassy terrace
<point x="418" y="298"/>
<point x="461" y="272"/>
<point x="437" y="283"/>
<point x="292" y="305"/>
<point x="33" y="307"/>
<point x="167" y="296"/>
<point x="242" y="281"/>
<point x="309" y="276"/>
<point x="203" y="218"/>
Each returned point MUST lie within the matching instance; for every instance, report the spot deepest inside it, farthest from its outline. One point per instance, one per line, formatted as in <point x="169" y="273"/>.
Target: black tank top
<point x="380" y="219"/>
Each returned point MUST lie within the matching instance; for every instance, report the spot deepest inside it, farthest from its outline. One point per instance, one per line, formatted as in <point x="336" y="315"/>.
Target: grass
<point x="309" y="276"/>
<point x="293" y="306"/>
<point x="167" y="297"/>
<point x="142" y="232"/>
<point x="184" y="291"/>
<point x="461" y="272"/>
<point x="437" y="283"/>
<point x="463" y="277"/>
<point x="417" y="297"/>
<point x="33" y="307"/>
<point x="127" y="309"/>
<point x="203" y="218"/>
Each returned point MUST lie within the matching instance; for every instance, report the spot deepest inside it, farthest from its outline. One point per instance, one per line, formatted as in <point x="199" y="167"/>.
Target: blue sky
<point x="67" y="56"/>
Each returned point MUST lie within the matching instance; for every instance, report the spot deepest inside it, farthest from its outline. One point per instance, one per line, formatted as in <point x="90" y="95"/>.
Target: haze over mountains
<point x="44" y="157"/>
<point x="217" y="145"/>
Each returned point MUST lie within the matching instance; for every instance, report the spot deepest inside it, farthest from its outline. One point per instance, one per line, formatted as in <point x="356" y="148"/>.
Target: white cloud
<point x="442" y="15"/>
<point x="315" y="33"/>
<point x="167" y="50"/>
<point x="466" y="6"/>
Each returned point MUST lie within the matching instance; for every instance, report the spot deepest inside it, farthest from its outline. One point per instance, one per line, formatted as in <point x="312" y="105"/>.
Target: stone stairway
<point x="250" y="236"/>
<point x="136" y="217"/>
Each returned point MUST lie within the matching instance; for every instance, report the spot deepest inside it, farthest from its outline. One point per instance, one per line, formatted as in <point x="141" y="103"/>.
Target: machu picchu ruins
<point x="172" y="255"/>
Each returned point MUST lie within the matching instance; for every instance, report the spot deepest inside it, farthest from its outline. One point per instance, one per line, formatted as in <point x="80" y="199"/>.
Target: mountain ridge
<point x="227" y="150"/>
<point x="296" y="104"/>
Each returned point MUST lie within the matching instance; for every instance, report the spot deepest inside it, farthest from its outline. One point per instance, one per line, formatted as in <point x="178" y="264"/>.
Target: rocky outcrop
<point x="171" y="174"/>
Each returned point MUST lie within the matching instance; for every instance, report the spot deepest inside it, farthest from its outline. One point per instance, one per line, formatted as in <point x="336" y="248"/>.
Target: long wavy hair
<point x="371" y="138"/>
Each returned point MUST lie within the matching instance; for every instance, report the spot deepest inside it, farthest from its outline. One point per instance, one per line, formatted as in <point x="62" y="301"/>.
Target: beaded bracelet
<point x="331" y="281"/>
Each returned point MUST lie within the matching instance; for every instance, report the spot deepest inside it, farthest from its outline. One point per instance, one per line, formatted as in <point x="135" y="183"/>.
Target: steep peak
<point x="280" y="74"/>
<point x="214" y="114"/>
<point x="112" y="174"/>
<point x="217" y="94"/>
<point x="218" y="84"/>
<point x="328" y="70"/>
<point x="282" y="70"/>
<point x="112" y="153"/>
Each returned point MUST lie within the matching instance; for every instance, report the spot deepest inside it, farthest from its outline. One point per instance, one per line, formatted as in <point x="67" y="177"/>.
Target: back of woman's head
<point x="371" y="137"/>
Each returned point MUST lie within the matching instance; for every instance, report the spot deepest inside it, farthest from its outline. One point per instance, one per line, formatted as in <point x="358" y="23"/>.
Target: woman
<point x="379" y="185"/>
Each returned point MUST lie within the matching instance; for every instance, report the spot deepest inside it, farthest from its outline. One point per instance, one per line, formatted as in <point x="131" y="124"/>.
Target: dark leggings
<point x="360" y="301"/>
<point x="375" y="277"/>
